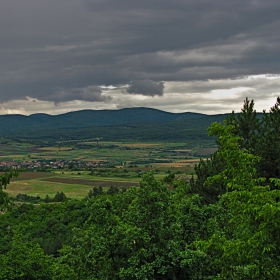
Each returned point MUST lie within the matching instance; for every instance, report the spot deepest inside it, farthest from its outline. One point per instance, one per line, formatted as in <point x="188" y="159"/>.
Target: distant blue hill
<point x="87" y="118"/>
<point x="131" y="124"/>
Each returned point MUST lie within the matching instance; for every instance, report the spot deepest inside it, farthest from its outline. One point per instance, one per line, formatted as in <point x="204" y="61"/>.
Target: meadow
<point x="126" y="162"/>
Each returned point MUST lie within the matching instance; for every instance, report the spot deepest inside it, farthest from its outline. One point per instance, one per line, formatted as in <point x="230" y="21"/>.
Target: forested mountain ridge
<point x="133" y="124"/>
<point x="187" y="130"/>
<point x="86" y="118"/>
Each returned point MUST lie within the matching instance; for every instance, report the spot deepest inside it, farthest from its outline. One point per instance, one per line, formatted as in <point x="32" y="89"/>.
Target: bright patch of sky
<point x="208" y="97"/>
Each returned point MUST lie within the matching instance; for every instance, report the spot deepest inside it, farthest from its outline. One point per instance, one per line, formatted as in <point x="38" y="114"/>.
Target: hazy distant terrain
<point x="86" y="118"/>
<point x="133" y="123"/>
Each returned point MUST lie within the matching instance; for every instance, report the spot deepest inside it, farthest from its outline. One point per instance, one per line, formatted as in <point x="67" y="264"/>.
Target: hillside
<point x="133" y="124"/>
<point x="87" y="118"/>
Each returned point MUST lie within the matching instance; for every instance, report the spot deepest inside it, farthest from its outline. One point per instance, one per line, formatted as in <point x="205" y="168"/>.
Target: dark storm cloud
<point x="146" y="87"/>
<point x="65" y="49"/>
<point x="92" y="94"/>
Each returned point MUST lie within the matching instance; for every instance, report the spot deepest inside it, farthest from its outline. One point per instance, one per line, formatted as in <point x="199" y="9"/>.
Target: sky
<point x="202" y="56"/>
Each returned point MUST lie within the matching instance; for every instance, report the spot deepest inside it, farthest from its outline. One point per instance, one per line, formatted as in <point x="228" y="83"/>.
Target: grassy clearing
<point x="92" y="183"/>
<point x="42" y="188"/>
<point x="74" y="186"/>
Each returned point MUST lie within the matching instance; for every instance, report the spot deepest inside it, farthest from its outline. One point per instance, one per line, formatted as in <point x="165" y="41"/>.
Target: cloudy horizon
<point x="202" y="56"/>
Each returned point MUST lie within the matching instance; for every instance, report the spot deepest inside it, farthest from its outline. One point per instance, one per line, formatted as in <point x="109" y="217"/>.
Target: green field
<point x="130" y="160"/>
<point x="73" y="185"/>
<point x="107" y="151"/>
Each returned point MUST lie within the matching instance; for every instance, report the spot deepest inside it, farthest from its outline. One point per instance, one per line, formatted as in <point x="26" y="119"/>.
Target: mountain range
<point x="108" y="124"/>
<point x="85" y="118"/>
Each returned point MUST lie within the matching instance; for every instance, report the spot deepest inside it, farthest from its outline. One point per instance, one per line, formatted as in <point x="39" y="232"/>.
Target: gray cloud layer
<point x="145" y="87"/>
<point x="65" y="50"/>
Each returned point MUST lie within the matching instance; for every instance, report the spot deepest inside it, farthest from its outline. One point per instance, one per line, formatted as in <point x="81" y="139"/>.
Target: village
<point x="57" y="164"/>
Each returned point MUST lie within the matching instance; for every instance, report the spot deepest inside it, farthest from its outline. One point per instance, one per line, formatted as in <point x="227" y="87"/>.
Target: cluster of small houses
<point x="58" y="164"/>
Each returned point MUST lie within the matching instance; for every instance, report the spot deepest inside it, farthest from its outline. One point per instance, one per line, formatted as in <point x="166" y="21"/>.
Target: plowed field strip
<point x="103" y="183"/>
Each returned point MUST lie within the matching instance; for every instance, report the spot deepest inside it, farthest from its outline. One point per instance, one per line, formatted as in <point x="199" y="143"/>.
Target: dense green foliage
<point x="223" y="225"/>
<point x="4" y="181"/>
<point x="258" y="134"/>
<point x="137" y="234"/>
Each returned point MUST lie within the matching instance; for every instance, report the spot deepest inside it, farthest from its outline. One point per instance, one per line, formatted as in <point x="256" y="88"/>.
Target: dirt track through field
<point x="103" y="183"/>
